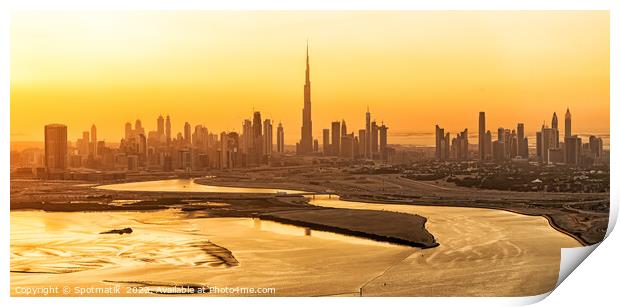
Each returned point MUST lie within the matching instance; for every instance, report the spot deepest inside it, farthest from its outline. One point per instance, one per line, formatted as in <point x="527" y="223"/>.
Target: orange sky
<point x="413" y="69"/>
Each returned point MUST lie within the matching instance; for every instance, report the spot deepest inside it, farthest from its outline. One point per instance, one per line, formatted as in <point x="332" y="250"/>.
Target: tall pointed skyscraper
<point x="567" y="125"/>
<point x="305" y="145"/>
<point x="482" y="145"/>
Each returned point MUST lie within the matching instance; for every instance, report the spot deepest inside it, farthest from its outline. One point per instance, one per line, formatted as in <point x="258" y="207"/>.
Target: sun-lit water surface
<point x="481" y="251"/>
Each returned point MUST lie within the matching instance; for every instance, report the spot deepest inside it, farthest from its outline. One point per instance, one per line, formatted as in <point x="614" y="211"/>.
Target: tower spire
<point x="307" y="63"/>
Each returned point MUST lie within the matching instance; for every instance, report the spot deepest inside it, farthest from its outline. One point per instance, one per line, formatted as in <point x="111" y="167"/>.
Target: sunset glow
<point x="413" y="69"/>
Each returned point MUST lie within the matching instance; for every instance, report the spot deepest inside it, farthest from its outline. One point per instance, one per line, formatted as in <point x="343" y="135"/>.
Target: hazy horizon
<point x="413" y="69"/>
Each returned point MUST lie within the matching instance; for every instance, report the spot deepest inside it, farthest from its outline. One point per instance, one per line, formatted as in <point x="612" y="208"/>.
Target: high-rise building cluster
<point x="551" y="150"/>
<point x="456" y="149"/>
<point x="199" y="148"/>
<point x="510" y="143"/>
<point x="513" y="144"/>
<point x="196" y="149"/>
<point x="370" y="143"/>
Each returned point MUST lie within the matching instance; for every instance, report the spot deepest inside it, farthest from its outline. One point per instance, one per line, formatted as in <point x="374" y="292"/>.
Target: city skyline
<point x="404" y="89"/>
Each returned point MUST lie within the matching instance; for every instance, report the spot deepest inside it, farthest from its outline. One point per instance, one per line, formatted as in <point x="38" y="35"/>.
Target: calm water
<point x="481" y="252"/>
<point x="186" y="185"/>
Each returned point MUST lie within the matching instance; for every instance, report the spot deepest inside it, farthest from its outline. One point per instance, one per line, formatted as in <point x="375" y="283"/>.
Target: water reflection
<point x="186" y="185"/>
<point x="298" y="231"/>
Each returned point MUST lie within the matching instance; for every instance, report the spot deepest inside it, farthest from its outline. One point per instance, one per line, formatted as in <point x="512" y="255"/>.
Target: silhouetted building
<point x="481" y="136"/>
<point x="556" y="131"/>
<point x="305" y="144"/>
<point x="368" y="134"/>
<point x="383" y="141"/>
<point x="168" y="129"/>
<point x="498" y="151"/>
<point x="374" y="140"/>
<point x="187" y="134"/>
<point x="257" y="144"/>
<point x="326" y="145"/>
<point x="521" y="141"/>
<point x="362" y="142"/>
<point x="280" y="139"/>
<point x="567" y="125"/>
<point x="572" y="147"/>
<point x="440" y="144"/>
<point x="460" y="146"/>
<point x="93" y="140"/>
<point x="267" y="138"/>
<point x="335" y="144"/>
<point x="346" y="146"/>
<point x="488" y="144"/>
<point x="55" y="147"/>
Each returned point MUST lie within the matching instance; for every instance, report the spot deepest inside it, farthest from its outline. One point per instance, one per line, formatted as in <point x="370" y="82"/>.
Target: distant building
<point x="187" y="135"/>
<point x="442" y="144"/>
<point x="346" y="146"/>
<point x="335" y="144"/>
<point x="267" y="138"/>
<point x="168" y="129"/>
<point x="362" y="142"/>
<point x="280" y="139"/>
<point x="572" y="146"/>
<point x="567" y="124"/>
<point x="383" y="141"/>
<point x="460" y="146"/>
<point x="481" y="136"/>
<point x="374" y="139"/>
<point x="326" y="145"/>
<point x="498" y="151"/>
<point x="55" y="147"/>
<point x="305" y="144"/>
<point x="368" y="135"/>
<point x="488" y="142"/>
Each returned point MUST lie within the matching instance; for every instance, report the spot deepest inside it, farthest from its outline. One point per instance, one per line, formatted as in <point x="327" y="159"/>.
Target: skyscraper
<point x="335" y="145"/>
<point x="128" y="131"/>
<point x="138" y="128"/>
<point x="573" y="149"/>
<point x="374" y="140"/>
<point x="257" y="144"/>
<point x="280" y="139"/>
<point x="187" y="135"/>
<point x="168" y="129"/>
<point x="248" y="137"/>
<point x="160" y="125"/>
<point x="55" y="147"/>
<point x="481" y="136"/>
<point x="567" y="125"/>
<point x="93" y="140"/>
<point x="362" y="142"/>
<point x="268" y="137"/>
<point x="326" y="142"/>
<point x="367" y="148"/>
<point x="305" y="144"/>
<point x="556" y="132"/>
<point x="343" y="128"/>
<point x="383" y="141"/>
<point x="488" y="144"/>
<point x="521" y="145"/>
<point x="439" y="143"/>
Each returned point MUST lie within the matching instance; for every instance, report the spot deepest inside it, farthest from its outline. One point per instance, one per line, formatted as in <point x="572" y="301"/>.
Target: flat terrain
<point x="582" y="215"/>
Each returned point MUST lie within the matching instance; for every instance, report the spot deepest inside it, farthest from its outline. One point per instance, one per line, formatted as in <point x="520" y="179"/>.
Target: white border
<point x="600" y="275"/>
